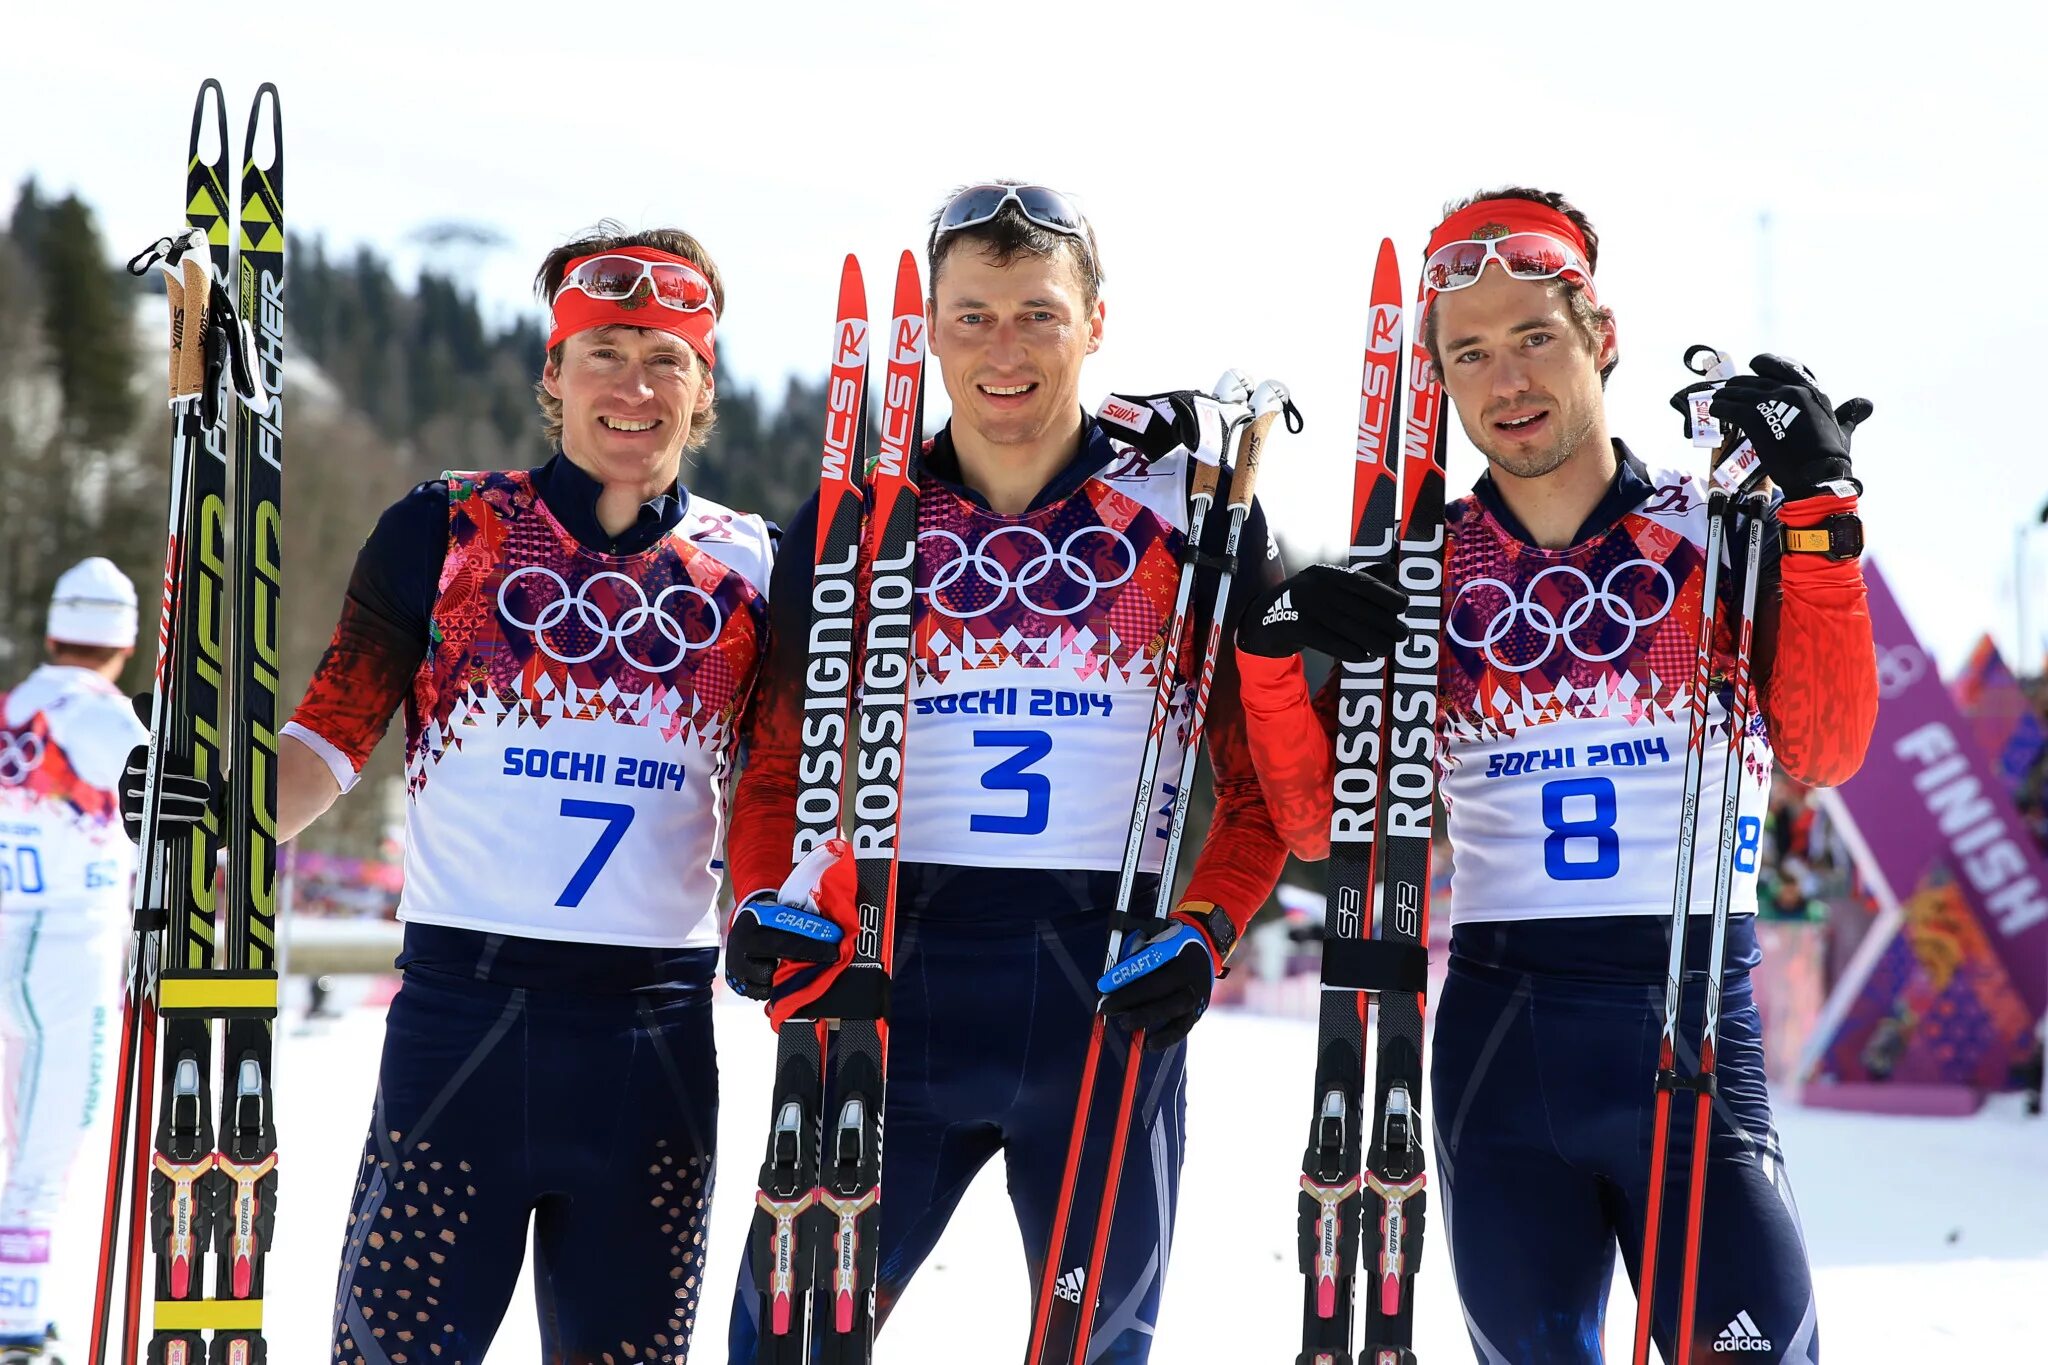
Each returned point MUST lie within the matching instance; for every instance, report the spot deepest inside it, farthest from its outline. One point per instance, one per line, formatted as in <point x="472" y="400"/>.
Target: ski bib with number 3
<point x="1035" y="650"/>
<point x="1563" y="689"/>
<point x="570" y="733"/>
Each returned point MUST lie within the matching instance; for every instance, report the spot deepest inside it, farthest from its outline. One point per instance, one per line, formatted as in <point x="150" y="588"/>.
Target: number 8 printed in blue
<point x="1606" y="859"/>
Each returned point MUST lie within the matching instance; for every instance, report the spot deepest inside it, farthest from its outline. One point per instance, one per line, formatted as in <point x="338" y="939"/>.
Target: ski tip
<point x="1388" y="263"/>
<point x="909" y="287"/>
<point x="266" y="112"/>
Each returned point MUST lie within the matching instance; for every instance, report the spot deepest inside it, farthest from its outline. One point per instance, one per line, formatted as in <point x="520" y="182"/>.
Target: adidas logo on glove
<point x="1281" y="610"/>
<point x="1779" y="415"/>
<point x="1742" y="1335"/>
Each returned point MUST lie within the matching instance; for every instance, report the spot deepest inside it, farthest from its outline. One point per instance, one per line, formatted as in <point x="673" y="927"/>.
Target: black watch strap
<point x="1838" y="537"/>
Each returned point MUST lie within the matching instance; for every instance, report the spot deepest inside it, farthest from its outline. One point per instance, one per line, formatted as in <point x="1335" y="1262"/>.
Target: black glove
<point x="765" y="934"/>
<point x="186" y="801"/>
<point x="1163" y="987"/>
<point x="1352" y="617"/>
<point x="1158" y="423"/>
<point x="1800" y="438"/>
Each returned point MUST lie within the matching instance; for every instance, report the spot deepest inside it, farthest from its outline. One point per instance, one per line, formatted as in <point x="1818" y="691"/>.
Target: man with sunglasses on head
<point x="1572" y="596"/>
<point x="1048" y="553"/>
<point x="573" y="647"/>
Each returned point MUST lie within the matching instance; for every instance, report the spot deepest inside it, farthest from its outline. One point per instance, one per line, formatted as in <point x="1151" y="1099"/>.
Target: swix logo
<point x="1131" y="415"/>
<point x="1779" y="417"/>
<point x="1383" y="331"/>
<point x="908" y="347"/>
<point x="853" y="342"/>
<point x="1069" y="1285"/>
<point x="1674" y="499"/>
<point x="1742" y="1334"/>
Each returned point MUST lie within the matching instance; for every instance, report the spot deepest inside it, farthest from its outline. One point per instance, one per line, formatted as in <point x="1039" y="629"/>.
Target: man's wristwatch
<point x="1838" y="537"/>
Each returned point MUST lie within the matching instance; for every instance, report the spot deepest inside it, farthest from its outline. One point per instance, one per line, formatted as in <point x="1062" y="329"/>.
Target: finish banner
<point x="1946" y="986"/>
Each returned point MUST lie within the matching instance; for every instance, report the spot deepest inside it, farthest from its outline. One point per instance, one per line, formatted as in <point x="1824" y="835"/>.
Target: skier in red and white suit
<point x="1571" y="601"/>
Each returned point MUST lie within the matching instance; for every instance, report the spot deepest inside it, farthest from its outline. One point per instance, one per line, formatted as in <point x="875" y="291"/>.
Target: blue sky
<point x="1240" y="164"/>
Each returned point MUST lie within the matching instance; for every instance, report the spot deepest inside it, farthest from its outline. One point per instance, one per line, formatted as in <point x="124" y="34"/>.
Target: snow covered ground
<point x="1929" y="1236"/>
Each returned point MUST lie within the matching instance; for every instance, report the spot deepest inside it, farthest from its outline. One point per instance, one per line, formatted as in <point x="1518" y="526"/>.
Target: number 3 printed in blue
<point x="1599" y="827"/>
<point x="1013" y="775"/>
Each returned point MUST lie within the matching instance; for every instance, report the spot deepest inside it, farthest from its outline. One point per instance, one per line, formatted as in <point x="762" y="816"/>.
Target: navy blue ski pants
<point x="1544" y="1080"/>
<point x="989" y="1025"/>
<point x="569" y="1087"/>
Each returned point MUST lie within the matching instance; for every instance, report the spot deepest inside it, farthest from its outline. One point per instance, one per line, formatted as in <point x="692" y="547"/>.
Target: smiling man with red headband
<point x="572" y="647"/>
<point x="1572" y="597"/>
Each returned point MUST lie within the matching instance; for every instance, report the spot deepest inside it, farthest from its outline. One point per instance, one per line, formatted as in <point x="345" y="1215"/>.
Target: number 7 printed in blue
<point x="617" y="817"/>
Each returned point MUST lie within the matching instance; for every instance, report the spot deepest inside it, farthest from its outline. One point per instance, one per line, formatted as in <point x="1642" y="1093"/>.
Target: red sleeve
<point x="360" y="681"/>
<point x="1242" y="854"/>
<point x="1820" y="694"/>
<point x="764" y="801"/>
<point x="1289" y="738"/>
<point x="763" y="831"/>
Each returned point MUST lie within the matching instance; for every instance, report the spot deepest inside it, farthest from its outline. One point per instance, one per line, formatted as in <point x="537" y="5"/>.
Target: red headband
<point x="576" y="311"/>
<point x="1490" y="218"/>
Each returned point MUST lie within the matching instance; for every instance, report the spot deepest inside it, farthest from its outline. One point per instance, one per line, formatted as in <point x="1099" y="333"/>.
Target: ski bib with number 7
<point x="570" y="733"/>
<point x="1562" y="687"/>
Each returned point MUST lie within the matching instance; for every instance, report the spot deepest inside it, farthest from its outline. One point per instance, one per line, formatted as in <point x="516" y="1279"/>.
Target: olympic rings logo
<point x="1526" y="611"/>
<point x="591" y="617"/>
<point x="1898" y="668"/>
<point x="20" y="755"/>
<point x="1028" y="575"/>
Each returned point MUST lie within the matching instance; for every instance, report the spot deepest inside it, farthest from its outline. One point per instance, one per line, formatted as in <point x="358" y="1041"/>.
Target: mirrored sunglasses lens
<point x="1533" y="256"/>
<point x="969" y="207"/>
<point x="1456" y="265"/>
<point x="607" y="277"/>
<point x="681" y="288"/>
<point x="1049" y="208"/>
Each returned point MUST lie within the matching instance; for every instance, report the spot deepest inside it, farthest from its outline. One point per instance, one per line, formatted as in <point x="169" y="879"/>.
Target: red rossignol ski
<point x="1355" y="964"/>
<point x="1063" y="1316"/>
<point x="781" y="1253"/>
<point x="817" y="1219"/>
<point x="1394" y="1160"/>
<point x="848" y="1210"/>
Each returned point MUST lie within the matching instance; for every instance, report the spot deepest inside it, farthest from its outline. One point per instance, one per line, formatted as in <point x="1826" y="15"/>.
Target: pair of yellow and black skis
<point x="200" y="1183"/>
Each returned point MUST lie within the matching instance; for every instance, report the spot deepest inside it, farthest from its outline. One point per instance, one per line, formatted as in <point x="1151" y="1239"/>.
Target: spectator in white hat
<point x="65" y="869"/>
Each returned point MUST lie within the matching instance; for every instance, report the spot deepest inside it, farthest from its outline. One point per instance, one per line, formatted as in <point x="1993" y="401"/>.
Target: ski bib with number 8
<point x="1563" y="699"/>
